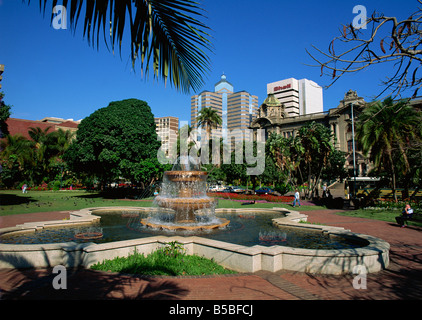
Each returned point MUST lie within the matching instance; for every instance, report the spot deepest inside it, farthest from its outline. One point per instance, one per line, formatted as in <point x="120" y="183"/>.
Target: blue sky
<point x="52" y="72"/>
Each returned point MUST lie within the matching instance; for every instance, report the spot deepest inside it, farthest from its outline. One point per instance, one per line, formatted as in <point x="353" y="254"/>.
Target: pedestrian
<point x="24" y="188"/>
<point x="297" y="198"/>
<point x="406" y="215"/>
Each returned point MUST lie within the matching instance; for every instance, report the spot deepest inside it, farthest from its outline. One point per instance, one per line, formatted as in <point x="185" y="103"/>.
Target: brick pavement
<point x="401" y="280"/>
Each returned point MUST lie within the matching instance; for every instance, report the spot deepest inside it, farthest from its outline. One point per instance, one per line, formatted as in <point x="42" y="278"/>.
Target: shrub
<point x="171" y="260"/>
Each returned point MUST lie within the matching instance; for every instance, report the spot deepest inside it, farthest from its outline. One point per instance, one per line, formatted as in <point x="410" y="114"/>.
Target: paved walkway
<point x="401" y="280"/>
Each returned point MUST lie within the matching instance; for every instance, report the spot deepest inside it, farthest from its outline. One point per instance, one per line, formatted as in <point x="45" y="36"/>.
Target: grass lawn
<point x="15" y="202"/>
<point x="383" y="215"/>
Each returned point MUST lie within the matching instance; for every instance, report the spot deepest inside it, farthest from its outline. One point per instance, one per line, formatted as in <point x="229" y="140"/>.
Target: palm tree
<point x="16" y="149"/>
<point x="208" y="118"/>
<point x="164" y="33"/>
<point x="383" y="130"/>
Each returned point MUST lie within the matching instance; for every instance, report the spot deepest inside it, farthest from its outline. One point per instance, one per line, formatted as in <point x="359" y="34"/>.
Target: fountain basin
<point x="374" y="255"/>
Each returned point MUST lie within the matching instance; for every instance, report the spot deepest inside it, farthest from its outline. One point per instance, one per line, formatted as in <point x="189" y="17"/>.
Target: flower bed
<point x="246" y="197"/>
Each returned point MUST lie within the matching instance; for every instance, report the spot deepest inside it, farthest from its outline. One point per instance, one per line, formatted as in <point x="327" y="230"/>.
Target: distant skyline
<point x="53" y="73"/>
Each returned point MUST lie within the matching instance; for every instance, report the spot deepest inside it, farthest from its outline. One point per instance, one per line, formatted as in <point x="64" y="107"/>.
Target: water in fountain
<point x="182" y="202"/>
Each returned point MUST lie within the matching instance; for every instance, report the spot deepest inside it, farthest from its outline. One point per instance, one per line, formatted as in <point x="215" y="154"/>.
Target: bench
<point x="415" y="217"/>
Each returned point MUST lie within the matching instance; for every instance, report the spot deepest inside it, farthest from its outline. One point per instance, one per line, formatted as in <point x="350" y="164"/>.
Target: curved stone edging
<point x="374" y="256"/>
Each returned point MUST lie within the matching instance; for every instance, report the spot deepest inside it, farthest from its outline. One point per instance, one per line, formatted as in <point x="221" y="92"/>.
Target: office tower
<point x="299" y="97"/>
<point x="236" y="109"/>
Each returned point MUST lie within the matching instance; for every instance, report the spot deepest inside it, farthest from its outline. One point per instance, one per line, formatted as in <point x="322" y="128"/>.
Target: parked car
<point x="220" y="188"/>
<point x="264" y="191"/>
<point x="228" y="189"/>
<point x="216" y="188"/>
<point x="238" y="190"/>
<point x="212" y="188"/>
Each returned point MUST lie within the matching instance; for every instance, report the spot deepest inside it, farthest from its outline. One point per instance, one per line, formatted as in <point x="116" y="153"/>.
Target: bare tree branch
<point x="385" y="40"/>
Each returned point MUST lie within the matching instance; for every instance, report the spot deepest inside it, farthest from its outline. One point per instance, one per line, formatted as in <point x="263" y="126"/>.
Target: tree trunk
<point x="393" y="176"/>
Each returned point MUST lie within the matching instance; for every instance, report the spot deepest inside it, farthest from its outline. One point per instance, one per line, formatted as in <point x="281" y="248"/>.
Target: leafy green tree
<point x="164" y="33"/>
<point x="335" y="166"/>
<point x="316" y="145"/>
<point x="383" y="131"/>
<point x="117" y="141"/>
<point x="283" y="156"/>
<point x="4" y="115"/>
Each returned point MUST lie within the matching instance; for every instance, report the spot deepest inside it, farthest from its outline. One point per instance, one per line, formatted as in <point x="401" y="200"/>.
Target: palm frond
<point x="166" y="34"/>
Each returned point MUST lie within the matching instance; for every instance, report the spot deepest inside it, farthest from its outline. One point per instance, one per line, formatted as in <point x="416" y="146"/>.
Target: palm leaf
<point x="166" y="34"/>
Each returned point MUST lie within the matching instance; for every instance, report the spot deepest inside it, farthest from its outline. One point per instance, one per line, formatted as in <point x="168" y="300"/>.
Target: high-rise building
<point x="167" y="129"/>
<point x="236" y="109"/>
<point x="299" y="97"/>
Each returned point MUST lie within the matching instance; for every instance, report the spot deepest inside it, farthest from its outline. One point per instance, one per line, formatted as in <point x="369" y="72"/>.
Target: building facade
<point x="236" y="109"/>
<point x="273" y="118"/>
<point x="299" y="97"/>
<point x="167" y="129"/>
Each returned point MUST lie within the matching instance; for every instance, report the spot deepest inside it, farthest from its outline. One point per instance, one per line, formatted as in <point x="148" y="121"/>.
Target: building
<point x="22" y="126"/>
<point x="273" y="117"/>
<point x="299" y="97"/>
<point x="167" y="129"/>
<point x="236" y="109"/>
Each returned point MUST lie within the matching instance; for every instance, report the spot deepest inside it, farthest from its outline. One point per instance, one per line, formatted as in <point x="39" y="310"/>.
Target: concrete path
<point x="402" y="279"/>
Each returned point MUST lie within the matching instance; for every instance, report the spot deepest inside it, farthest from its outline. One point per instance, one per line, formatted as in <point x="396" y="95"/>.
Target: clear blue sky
<point x="52" y="72"/>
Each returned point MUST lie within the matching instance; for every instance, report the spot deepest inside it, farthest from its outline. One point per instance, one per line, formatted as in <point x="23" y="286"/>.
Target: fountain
<point x="252" y="239"/>
<point x="183" y="202"/>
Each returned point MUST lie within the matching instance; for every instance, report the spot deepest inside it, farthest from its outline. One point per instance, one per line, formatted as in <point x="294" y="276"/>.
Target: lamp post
<point x="354" y="151"/>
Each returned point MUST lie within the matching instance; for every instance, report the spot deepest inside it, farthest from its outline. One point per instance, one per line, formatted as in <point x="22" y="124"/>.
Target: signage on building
<point x="280" y="88"/>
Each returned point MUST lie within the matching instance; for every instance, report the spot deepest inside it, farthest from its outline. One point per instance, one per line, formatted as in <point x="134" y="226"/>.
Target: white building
<point x="300" y="97"/>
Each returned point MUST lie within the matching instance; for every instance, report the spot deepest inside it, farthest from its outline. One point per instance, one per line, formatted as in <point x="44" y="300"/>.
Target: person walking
<point x="297" y="198"/>
<point x="24" y="188"/>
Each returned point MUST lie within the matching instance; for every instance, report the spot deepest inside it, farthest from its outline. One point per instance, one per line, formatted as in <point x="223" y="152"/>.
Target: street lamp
<point x="354" y="151"/>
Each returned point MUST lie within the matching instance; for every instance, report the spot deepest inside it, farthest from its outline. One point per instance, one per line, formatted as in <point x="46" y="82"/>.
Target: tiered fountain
<point x="183" y="203"/>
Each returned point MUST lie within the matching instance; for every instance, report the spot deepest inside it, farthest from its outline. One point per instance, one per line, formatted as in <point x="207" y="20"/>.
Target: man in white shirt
<point x="297" y="198"/>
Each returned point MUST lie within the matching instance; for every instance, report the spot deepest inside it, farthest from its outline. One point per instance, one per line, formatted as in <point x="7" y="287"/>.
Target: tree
<point x="164" y="33"/>
<point x="383" y="40"/>
<point x="316" y="145"/>
<point x="117" y="141"/>
<point x="4" y="115"/>
<point x="384" y="130"/>
<point x="17" y="159"/>
<point x="208" y="118"/>
<point x="335" y="166"/>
